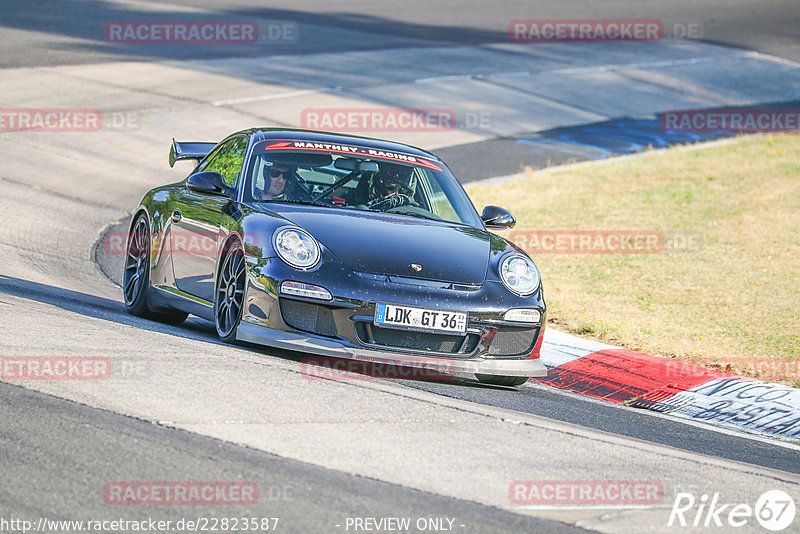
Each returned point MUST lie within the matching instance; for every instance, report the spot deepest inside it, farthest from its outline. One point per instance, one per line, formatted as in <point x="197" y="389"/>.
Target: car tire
<point x="136" y="276"/>
<point x="229" y="291"/>
<point x="496" y="380"/>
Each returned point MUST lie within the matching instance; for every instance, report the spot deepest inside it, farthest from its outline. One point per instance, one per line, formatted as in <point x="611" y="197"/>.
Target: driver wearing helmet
<point x="393" y="186"/>
<point x="275" y="186"/>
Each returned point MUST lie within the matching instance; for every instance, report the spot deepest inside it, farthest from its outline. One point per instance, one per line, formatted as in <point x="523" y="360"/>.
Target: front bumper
<point x="343" y="327"/>
<point x="461" y="368"/>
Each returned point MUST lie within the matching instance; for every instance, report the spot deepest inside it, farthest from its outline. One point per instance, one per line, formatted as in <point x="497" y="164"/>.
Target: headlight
<point x="296" y="247"/>
<point x="519" y="274"/>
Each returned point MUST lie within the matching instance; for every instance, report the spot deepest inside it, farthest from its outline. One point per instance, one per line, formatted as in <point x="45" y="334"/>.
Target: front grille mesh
<point x="308" y="317"/>
<point x="513" y="341"/>
<point x="370" y="334"/>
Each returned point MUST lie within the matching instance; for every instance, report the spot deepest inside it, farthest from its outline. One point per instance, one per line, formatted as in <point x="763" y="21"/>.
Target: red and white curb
<point x="664" y="385"/>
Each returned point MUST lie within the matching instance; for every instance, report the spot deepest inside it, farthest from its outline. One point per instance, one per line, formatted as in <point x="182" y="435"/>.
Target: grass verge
<point x="722" y="286"/>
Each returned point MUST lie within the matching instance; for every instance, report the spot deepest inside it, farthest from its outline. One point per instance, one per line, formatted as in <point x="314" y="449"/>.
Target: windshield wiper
<point x="304" y="202"/>
<point x="398" y="211"/>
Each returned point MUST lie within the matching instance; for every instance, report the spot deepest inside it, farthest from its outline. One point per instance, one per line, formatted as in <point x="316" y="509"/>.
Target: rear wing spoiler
<point x="179" y="151"/>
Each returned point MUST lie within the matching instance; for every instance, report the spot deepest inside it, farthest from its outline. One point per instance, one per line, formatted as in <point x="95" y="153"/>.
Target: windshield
<point x="356" y="178"/>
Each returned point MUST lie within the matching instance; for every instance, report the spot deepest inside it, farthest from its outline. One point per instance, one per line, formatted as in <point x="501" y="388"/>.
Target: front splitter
<point x="462" y="368"/>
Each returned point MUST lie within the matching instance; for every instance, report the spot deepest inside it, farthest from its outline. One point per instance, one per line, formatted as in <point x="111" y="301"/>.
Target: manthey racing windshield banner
<point x="347" y="149"/>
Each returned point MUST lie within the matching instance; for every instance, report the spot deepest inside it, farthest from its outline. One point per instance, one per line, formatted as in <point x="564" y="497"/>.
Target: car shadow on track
<point x="332" y="368"/>
<point x="197" y="329"/>
<point x="100" y="308"/>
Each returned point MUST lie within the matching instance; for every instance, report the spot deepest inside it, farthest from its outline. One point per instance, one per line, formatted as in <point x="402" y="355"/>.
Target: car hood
<point x="389" y="244"/>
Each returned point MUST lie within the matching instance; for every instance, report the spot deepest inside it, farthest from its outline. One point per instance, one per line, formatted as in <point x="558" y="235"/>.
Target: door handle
<point x="176" y="216"/>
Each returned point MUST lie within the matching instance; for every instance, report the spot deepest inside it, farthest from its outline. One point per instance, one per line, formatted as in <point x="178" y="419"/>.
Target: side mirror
<point x="209" y="182"/>
<point x="497" y="218"/>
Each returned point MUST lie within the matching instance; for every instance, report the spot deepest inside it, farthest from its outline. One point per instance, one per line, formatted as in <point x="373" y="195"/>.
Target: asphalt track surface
<point x="39" y="36"/>
<point x="60" y="446"/>
<point x="287" y="488"/>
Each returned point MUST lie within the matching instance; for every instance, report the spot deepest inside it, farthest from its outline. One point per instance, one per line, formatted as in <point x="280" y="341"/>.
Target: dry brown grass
<point x="736" y="296"/>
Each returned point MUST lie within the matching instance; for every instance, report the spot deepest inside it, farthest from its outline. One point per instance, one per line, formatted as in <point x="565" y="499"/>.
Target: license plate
<point x="422" y="319"/>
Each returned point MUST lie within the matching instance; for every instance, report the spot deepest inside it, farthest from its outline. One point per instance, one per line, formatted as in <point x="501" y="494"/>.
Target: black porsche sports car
<point x="337" y="246"/>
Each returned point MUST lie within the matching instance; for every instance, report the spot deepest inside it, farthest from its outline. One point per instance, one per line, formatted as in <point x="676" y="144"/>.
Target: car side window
<point x="434" y="195"/>
<point x="227" y="160"/>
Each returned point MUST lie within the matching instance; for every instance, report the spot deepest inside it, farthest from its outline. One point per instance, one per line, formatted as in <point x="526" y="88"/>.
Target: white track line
<point x="260" y="98"/>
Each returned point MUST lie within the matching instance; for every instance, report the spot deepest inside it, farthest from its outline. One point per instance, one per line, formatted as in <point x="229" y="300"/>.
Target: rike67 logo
<point x="774" y="510"/>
